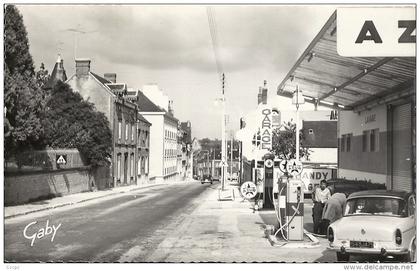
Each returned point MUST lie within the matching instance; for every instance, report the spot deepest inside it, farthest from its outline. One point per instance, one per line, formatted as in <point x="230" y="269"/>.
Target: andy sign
<point x="314" y="176"/>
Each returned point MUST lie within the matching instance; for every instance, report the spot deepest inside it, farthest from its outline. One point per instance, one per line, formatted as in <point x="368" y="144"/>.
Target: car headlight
<point x="330" y="234"/>
<point x="398" y="237"/>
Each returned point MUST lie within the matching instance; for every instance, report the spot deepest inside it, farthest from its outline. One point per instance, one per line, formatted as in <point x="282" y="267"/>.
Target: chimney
<point x="259" y="96"/>
<point x="170" y="109"/>
<point x="112" y="77"/>
<point x="264" y="96"/>
<point x="61" y="73"/>
<point x="82" y="67"/>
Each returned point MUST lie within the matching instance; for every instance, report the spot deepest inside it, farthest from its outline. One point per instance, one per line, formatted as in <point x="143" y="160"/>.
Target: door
<point x="125" y="167"/>
<point x="402" y="148"/>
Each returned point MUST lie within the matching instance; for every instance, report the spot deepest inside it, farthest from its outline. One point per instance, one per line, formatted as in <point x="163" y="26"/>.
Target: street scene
<point x="210" y="134"/>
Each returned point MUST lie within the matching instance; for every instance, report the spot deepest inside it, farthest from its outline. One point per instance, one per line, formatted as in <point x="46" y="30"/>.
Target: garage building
<point x="375" y="97"/>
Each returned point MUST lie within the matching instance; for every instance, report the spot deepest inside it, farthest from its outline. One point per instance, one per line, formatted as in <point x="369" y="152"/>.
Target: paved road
<point x="107" y="231"/>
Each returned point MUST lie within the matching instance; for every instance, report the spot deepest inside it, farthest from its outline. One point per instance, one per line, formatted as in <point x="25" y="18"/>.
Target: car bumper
<point x="373" y="251"/>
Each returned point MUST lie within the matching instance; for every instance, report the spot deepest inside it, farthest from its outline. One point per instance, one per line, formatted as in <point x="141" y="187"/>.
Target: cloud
<point x="167" y="37"/>
<point x="171" y="45"/>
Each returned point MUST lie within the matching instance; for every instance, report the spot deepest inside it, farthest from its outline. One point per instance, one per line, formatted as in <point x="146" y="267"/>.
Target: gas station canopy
<point x="353" y="83"/>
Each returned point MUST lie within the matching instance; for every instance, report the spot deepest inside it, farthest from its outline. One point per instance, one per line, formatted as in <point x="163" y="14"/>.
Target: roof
<point x="383" y="193"/>
<point x="117" y="87"/>
<point x="141" y="118"/>
<point x="324" y="134"/>
<point x="146" y="105"/>
<point x="171" y="117"/>
<point x="132" y="93"/>
<point x="347" y="82"/>
<point x="101" y="79"/>
<point x="55" y="76"/>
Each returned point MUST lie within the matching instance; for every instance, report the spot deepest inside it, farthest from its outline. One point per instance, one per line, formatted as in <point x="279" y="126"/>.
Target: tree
<point x="16" y="46"/>
<point x="42" y="76"/>
<point x="284" y="142"/>
<point x="71" y="122"/>
<point x="22" y="98"/>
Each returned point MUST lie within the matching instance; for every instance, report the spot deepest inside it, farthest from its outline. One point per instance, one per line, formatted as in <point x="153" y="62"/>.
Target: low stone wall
<point x="25" y="187"/>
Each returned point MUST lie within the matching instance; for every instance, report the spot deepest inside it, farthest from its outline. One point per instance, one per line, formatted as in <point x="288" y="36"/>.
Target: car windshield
<point x="375" y="206"/>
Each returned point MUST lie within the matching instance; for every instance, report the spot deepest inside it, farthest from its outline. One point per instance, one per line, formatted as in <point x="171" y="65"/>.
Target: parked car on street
<point x="377" y="222"/>
<point x="206" y="179"/>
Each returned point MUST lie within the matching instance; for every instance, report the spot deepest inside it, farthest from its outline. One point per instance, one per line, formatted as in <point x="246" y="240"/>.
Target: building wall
<point x="115" y="109"/>
<point x="357" y="163"/>
<point x="143" y="152"/>
<point x="156" y="145"/>
<point x="23" y="188"/>
<point x="323" y="155"/>
<point x="92" y="91"/>
<point x="170" y="149"/>
<point x="125" y="144"/>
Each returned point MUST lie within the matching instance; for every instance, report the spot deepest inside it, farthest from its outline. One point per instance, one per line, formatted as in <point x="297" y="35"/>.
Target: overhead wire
<point x="214" y="39"/>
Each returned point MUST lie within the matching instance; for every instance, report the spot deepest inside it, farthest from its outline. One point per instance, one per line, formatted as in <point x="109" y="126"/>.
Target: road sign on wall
<point x="61" y="159"/>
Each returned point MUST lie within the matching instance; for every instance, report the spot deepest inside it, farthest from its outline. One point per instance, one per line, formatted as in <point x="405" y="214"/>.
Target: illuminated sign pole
<point x="297" y="100"/>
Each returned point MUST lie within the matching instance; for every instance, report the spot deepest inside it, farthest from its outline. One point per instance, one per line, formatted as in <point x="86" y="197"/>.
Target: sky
<point x="171" y="46"/>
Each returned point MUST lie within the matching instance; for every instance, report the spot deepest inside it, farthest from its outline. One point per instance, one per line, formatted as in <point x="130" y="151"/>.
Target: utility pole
<point x="223" y="133"/>
<point x="231" y="155"/>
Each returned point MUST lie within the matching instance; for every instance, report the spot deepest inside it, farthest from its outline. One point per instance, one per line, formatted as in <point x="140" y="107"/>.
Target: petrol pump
<point x="258" y="178"/>
<point x="268" y="180"/>
<point x="290" y="201"/>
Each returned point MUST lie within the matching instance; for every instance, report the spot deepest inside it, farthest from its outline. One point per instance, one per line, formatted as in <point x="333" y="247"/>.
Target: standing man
<point x="319" y="197"/>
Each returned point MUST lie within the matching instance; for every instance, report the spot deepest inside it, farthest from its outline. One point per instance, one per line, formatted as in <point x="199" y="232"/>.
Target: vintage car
<point x="380" y="222"/>
<point x="206" y="179"/>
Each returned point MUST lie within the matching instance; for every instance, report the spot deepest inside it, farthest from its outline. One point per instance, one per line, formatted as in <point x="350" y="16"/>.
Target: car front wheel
<point x="343" y="257"/>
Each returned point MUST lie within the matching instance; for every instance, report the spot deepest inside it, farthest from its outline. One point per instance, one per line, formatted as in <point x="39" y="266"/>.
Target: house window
<point x="374" y="140"/>
<point x="119" y="129"/>
<point x="365" y="141"/>
<point x="133" y="132"/>
<point x="139" y="167"/>
<point x="348" y="142"/>
<point x="146" y="138"/>
<point x="118" y="166"/>
<point x="126" y="130"/>
<point x="143" y="165"/>
<point x="311" y="131"/>
<point x="343" y="143"/>
<point x="132" y="165"/>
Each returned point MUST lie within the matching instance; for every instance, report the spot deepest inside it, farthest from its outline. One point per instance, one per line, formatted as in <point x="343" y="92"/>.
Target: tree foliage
<point x="284" y="142"/>
<point x="71" y="122"/>
<point x="23" y="99"/>
<point x="42" y="76"/>
<point x="17" y="58"/>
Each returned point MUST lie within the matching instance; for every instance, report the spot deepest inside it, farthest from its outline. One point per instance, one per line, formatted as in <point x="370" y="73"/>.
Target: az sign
<point x="376" y="31"/>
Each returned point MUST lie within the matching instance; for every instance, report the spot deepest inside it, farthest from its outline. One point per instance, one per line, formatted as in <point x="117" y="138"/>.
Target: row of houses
<point x="149" y="144"/>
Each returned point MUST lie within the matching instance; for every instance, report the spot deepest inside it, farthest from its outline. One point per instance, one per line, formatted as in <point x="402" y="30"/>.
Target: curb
<point x="76" y="202"/>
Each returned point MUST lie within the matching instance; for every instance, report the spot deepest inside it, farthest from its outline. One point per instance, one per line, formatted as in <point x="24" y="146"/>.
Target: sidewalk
<point x="230" y="231"/>
<point x="72" y="199"/>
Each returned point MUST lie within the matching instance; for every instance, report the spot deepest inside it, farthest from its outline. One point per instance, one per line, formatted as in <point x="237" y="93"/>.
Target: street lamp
<point x="297" y="100"/>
